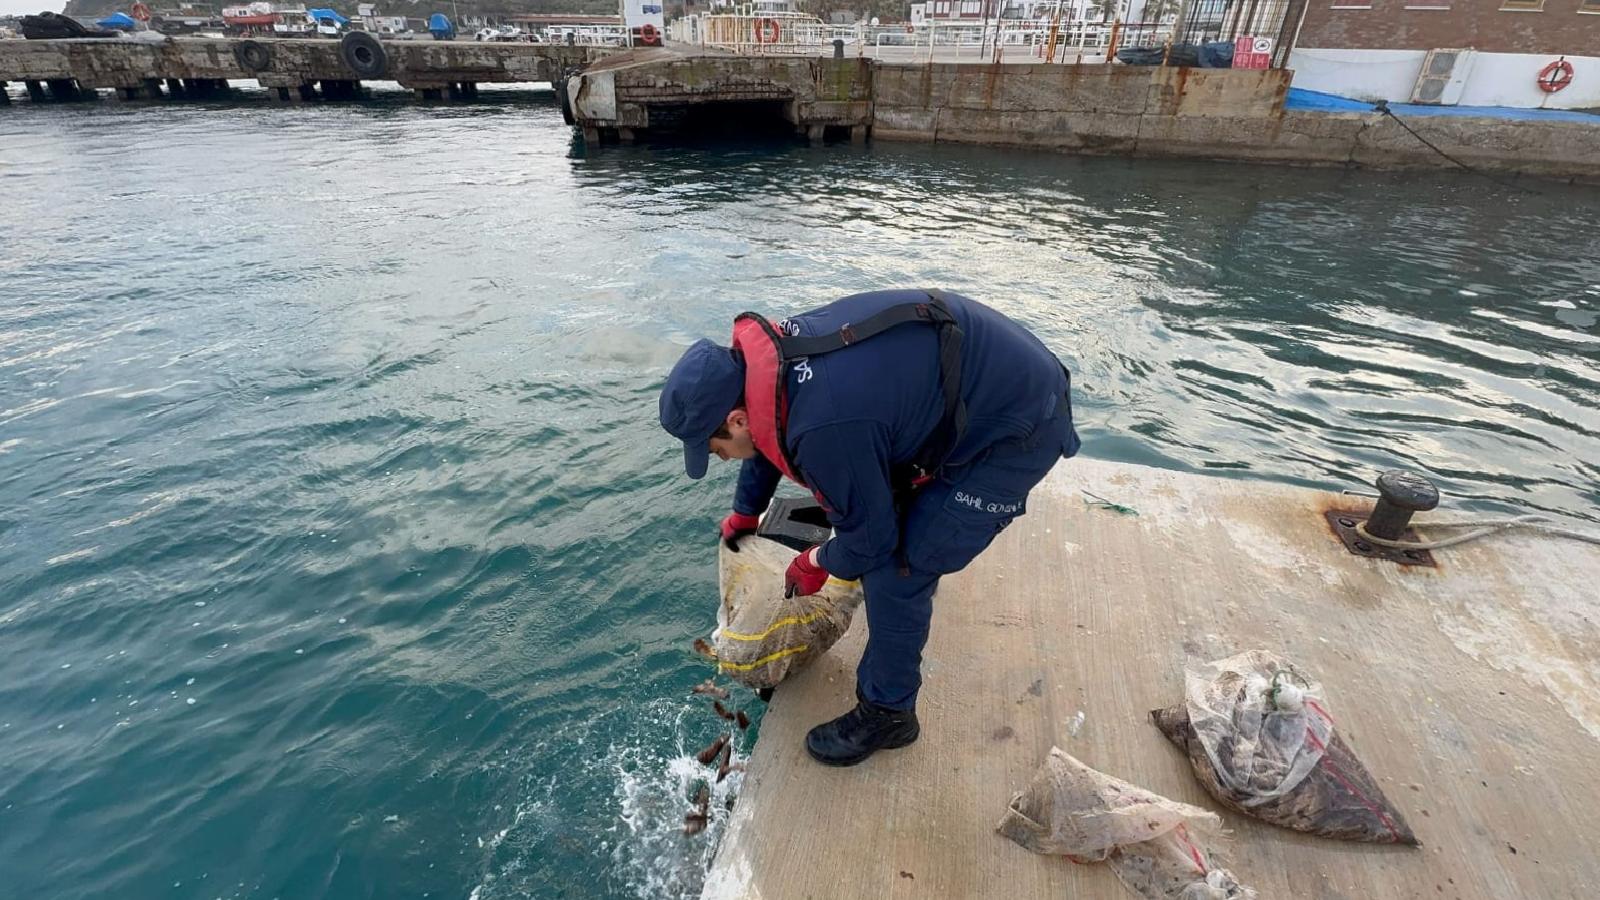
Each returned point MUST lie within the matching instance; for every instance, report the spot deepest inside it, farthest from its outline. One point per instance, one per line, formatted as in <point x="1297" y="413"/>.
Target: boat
<point x="253" y="15"/>
<point x="53" y="26"/>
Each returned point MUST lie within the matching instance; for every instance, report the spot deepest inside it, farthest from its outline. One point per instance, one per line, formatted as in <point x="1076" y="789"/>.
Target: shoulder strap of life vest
<point x="935" y="312"/>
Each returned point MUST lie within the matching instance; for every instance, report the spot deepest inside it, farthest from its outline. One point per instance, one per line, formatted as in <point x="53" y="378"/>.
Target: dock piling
<point x="65" y="89"/>
<point x="205" y="88"/>
<point x="149" y="88"/>
<point x="340" y="89"/>
<point x="35" y="91"/>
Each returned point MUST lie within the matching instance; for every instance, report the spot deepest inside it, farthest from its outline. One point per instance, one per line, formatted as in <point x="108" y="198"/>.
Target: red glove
<point x="736" y="526"/>
<point x="804" y="577"/>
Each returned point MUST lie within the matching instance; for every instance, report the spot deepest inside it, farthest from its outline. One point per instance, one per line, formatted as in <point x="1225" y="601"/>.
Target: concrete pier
<point x="615" y="95"/>
<point x="635" y="92"/>
<point x="287" y="68"/>
<point x="1471" y="691"/>
<point x="1117" y="110"/>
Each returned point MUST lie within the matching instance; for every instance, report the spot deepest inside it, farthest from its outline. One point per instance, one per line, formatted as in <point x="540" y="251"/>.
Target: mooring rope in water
<point x="1382" y="106"/>
<point x="1485" y="527"/>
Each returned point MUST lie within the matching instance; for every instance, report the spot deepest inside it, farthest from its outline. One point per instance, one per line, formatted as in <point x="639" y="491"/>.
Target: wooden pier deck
<point x="1471" y="691"/>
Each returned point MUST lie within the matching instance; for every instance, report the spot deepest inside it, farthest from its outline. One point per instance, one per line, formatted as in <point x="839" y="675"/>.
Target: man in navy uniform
<point x="920" y="420"/>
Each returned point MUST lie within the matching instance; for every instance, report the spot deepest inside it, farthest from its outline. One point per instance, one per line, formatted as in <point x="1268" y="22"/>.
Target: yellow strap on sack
<point x="745" y="667"/>
<point x="781" y="623"/>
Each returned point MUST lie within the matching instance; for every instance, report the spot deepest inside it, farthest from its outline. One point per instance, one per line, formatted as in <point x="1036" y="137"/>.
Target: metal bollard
<point x="838" y="48"/>
<point x="1400" y="493"/>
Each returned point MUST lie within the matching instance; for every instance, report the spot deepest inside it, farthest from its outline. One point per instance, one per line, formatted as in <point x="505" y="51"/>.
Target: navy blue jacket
<point x="856" y="412"/>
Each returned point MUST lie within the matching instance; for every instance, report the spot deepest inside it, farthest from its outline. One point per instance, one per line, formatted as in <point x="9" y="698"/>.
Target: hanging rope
<point x="1382" y="106"/>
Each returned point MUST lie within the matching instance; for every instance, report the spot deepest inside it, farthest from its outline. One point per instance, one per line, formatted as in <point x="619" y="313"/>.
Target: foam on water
<point x="650" y="775"/>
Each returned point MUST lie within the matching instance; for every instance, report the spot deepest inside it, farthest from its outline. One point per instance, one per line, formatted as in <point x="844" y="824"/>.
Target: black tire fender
<point x="253" y="56"/>
<point x="364" y="55"/>
<point x="563" y="99"/>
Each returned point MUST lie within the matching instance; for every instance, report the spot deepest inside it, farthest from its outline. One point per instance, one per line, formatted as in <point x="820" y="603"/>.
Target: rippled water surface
<point x="340" y="555"/>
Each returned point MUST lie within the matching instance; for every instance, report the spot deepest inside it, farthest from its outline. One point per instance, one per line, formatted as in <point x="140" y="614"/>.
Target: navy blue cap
<point x="703" y="388"/>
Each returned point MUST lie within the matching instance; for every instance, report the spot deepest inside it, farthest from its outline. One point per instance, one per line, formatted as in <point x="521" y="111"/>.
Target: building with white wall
<point x="1518" y="53"/>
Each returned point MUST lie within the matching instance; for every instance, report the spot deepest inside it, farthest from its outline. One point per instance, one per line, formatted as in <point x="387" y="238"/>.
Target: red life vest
<point x="765" y="397"/>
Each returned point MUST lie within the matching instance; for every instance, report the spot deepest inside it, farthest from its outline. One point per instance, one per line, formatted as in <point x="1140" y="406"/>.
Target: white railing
<point x="1005" y="40"/>
<point x="755" y="34"/>
<point x="793" y="33"/>
<point x="588" y="35"/>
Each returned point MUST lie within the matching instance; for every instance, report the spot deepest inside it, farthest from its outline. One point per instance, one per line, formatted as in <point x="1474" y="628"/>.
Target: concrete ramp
<point x="1471" y="691"/>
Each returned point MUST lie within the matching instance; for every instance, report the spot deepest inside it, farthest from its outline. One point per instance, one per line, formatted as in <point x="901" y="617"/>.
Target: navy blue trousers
<point x="949" y="523"/>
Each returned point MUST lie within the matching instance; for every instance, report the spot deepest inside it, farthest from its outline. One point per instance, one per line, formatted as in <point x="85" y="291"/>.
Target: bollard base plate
<point x="1343" y="523"/>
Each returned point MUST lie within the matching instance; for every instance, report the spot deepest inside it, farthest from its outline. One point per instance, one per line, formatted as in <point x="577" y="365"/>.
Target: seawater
<point x="341" y="556"/>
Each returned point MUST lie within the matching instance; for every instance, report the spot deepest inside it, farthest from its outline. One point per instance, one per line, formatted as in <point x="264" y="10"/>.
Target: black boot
<point x="861" y="732"/>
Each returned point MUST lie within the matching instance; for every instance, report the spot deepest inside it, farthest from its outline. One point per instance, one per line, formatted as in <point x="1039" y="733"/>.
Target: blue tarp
<point x="1216" y="55"/>
<point x="439" y="22"/>
<point x="1300" y="98"/>
<point x="322" y="15"/>
<point x="117" y="20"/>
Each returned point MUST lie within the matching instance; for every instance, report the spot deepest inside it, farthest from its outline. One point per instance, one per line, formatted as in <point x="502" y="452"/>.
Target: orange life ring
<point x="1556" y="76"/>
<point x="647" y="33"/>
<point x="768" y="32"/>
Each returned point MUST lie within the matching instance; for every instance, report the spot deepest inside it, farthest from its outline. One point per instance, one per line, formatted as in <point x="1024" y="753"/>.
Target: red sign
<point x="141" y="12"/>
<point x="1252" y="52"/>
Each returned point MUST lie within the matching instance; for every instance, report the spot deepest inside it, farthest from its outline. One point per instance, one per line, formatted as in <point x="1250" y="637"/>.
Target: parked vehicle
<point x="326" y="22"/>
<point x="501" y="34"/>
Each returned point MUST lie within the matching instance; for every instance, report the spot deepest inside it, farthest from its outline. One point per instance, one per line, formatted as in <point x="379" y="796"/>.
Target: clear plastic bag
<point x="1071" y="810"/>
<point x="1261" y="741"/>
<point x="1261" y="722"/>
